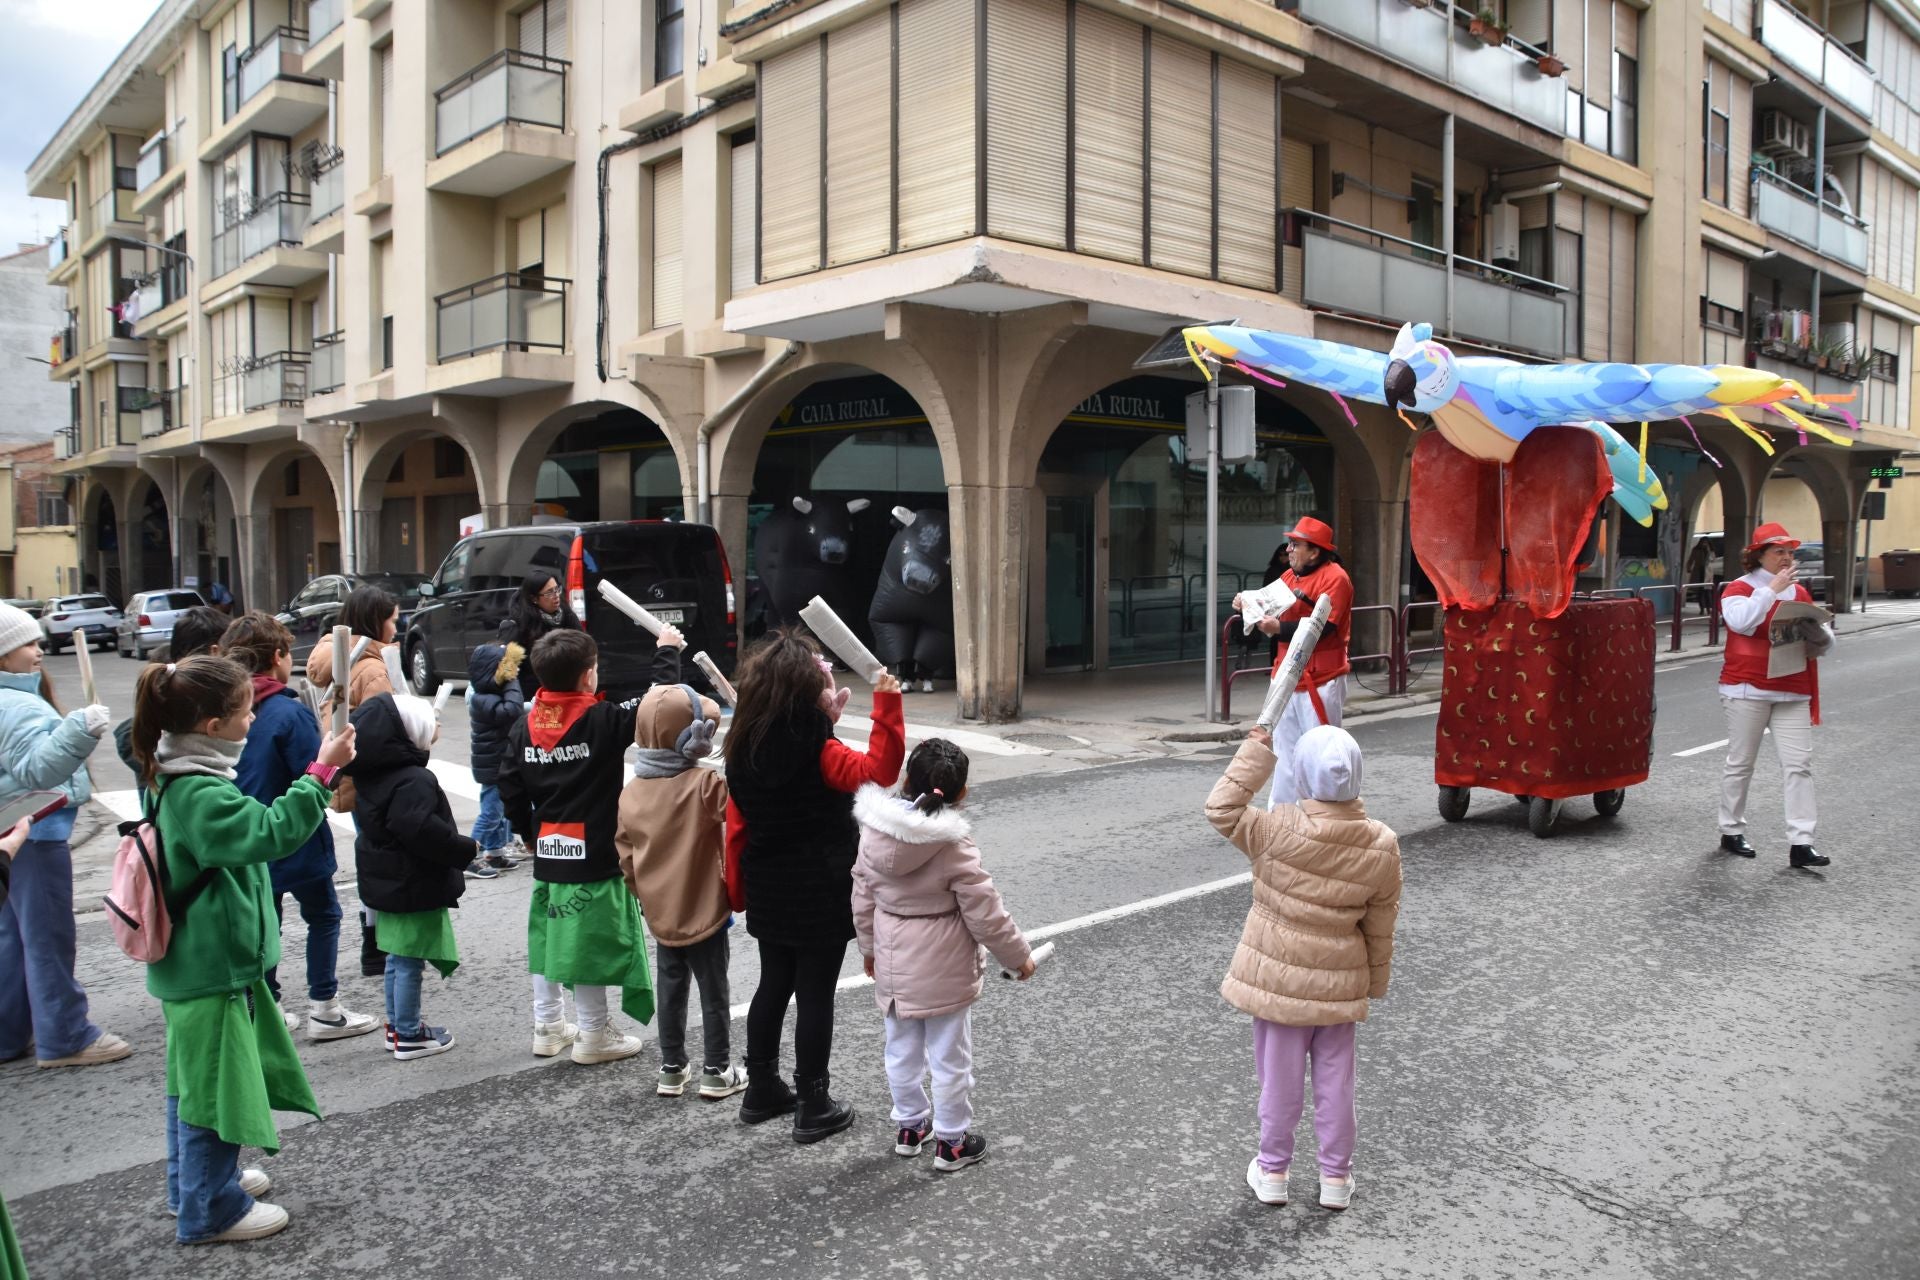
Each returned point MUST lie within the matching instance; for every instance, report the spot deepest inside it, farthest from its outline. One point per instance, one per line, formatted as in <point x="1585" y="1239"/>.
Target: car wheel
<point x="420" y="672"/>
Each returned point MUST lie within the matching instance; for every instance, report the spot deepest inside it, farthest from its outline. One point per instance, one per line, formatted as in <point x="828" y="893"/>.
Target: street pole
<point x="1866" y="565"/>
<point x="1213" y="539"/>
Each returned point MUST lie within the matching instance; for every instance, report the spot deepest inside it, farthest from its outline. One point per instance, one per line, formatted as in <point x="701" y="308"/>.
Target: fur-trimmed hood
<point x="915" y="836"/>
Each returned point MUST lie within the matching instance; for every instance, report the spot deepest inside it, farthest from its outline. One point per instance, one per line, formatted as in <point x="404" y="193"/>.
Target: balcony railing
<point x="1360" y="271"/>
<point x="278" y="219"/>
<point x="120" y="417"/>
<point x="324" y="167"/>
<point x="1505" y="77"/>
<point x="65" y="345"/>
<point x="59" y="248"/>
<point x="279" y="54"/>
<point x="329" y="368"/>
<point x="511" y="87"/>
<point x="276" y="379"/>
<point x="153" y="162"/>
<point x="116" y="204"/>
<point x="1801" y="216"/>
<point x="516" y="311"/>
<point x="150" y="292"/>
<point x="323" y="16"/>
<point x="1807" y="48"/>
<point x="66" y="442"/>
<point x="161" y="413"/>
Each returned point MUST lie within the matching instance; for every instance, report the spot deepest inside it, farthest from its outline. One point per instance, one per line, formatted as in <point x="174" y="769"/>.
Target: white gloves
<point x="96" y="719"/>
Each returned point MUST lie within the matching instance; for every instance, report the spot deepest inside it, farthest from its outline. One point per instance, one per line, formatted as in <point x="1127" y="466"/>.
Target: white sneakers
<point x="254" y="1182"/>
<point x="106" y="1047"/>
<point x="1268" y="1188"/>
<point x="1336" y="1195"/>
<point x="715" y="1085"/>
<point x="549" y="1038"/>
<point x="604" y="1044"/>
<point x="331" y="1020"/>
<point x="259" y="1222"/>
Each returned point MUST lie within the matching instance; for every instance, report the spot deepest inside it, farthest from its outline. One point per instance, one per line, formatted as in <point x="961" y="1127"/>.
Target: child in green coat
<point x="230" y="1061"/>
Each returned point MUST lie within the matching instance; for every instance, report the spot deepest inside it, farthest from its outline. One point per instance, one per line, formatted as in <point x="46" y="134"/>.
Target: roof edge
<point x="145" y="43"/>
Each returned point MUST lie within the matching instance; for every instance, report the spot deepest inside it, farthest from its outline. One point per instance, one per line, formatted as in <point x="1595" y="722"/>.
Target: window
<point x="449" y="460"/>
<point x="452" y="578"/>
<point x="741" y="214"/>
<point x="668" y="41"/>
<point x="1719" y="137"/>
<point x="491" y="565"/>
<point x="53" y="509"/>
<point x="292" y="479"/>
<point x="666" y="243"/>
<point x="183" y="600"/>
<point x="543" y="29"/>
<point x="386" y="343"/>
<point x="1625" y="139"/>
<point x="1885" y="365"/>
<point x="1720" y="317"/>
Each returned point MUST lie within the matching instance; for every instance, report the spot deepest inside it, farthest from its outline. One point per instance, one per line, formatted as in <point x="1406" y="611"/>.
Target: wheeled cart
<point x="1546" y="709"/>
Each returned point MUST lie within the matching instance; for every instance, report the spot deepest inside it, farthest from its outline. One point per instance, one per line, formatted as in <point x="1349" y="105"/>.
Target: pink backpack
<point x="137" y="904"/>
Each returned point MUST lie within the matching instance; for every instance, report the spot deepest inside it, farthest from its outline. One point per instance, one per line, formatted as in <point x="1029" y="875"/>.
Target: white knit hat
<point x="17" y="627"/>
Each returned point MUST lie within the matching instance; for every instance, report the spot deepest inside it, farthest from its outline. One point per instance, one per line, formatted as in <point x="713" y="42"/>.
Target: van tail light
<point x="726" y="571"/>
<point x="577" y="579"/>
<point x="145" y="621"/>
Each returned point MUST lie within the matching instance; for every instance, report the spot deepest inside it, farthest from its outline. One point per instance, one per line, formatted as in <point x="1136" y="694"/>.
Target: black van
<point x="677" y="571"/>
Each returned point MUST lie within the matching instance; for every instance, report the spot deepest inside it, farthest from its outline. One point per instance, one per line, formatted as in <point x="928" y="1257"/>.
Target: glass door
<point x="1070" y="582"/>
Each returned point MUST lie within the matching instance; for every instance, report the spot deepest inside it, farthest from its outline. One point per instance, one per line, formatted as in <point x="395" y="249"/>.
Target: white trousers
<point x="944" y="1043"/>
<point x="1294" y="722"/>
<point x="589" y="1003"/>
<point x="1792" y="732"/>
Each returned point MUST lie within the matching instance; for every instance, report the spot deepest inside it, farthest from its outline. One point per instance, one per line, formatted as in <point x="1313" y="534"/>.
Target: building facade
<point x="347" y="273"/>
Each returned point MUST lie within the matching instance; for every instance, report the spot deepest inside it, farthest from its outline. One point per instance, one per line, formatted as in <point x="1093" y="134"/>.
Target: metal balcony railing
<point x="153" y="162"/>
<point x="1360" y="271"/>
<point x="116" y="204"/>
<point x="66" y="442"/>
<point x="161" y="413"/>
<point x="511" y="87"/>
<point x="59" y="249"/>
<point x="278" y="219"/>
<point x="279" y="54"/>
<point x="326" y="174"/>
<point x="1801" y="216"/>
<point x="1787" y="32"/>
<point x="151" y="293"/>
<point x="65" y="345"/>
<point x="120" y="417"/>
<point x="516" y="311"/>
<point x="329" y="368"/>
<point x="276" y="379"/>
<point x="323" y="16"/>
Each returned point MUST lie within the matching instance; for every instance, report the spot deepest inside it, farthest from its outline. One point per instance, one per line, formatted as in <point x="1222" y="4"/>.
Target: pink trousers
<point x="1280" y="1055"/>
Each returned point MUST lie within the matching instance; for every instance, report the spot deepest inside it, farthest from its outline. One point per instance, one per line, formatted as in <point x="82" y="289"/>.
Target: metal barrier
<point x="1393" y="643"/>
<point x="1405" y="635"/>
<point x="1392" y="655"/>
<point x="1228" y="672"/>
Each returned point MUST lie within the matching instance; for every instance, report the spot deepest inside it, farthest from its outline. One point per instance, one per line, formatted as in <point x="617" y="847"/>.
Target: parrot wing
<point x="1353" y="372"/>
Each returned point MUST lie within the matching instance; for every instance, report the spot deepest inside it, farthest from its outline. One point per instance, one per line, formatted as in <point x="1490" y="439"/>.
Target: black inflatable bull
<point x="802" y="551"/>
<point x="912" y="610"/>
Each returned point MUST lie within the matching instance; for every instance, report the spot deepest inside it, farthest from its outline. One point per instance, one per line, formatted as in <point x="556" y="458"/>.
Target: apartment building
<point x="399" y="266"/>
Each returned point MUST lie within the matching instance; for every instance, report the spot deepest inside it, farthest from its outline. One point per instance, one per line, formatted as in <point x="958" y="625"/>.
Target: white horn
<point x="857" y="506"/>
<point x="903" y="515"/>
<point x="803" y="506"/>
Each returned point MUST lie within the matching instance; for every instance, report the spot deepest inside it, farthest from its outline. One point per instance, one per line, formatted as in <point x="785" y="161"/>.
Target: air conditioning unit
<point x="1503" y="233"/>
<point x="1780" y="133"/>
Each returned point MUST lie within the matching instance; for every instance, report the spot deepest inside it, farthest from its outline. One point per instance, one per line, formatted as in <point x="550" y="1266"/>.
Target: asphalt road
<point x="1612" y="1053"/>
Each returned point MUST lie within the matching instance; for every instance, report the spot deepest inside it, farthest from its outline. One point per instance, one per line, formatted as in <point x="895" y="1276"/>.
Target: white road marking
<point x="125" y="807"/>
<point x="455" y="779"/>
<point x="1711" y="746"/>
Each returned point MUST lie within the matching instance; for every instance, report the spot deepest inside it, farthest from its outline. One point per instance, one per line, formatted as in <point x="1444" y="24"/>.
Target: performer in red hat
<point x="1313" y="570"/>
<point x="1755" y="702"/>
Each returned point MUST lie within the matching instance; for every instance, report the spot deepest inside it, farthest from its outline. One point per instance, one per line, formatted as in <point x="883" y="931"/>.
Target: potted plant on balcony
<point x="1486" y="25"/>
<point x="1550" y="65"/>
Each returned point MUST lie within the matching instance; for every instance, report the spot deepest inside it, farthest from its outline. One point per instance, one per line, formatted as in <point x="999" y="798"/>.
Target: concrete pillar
<point x="729" y="516"/>
<point x="256" y="553"/>
<point x="989" y="532"/>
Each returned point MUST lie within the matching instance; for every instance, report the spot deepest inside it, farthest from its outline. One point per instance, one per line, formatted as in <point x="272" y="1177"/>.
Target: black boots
<point x="373" y="961"/>
<point x="767" y="1094"/>
<point x="819" y="1116"/>
<point x="1737" y="844"/>
<point x="1805" y="855"/>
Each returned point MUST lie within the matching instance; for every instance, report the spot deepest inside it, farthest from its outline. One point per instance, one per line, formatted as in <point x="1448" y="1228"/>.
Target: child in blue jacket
<point x="284" y="740"/>
<point x="494" y="705"/>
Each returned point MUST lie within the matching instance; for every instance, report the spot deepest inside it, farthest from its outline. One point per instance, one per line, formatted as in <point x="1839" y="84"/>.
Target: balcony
<point x="328" y="371"/>
<point x="502" y="336"/>
<point x="267" y="91"/>
<point x="326" y="38"/>
<point x="66" y="442"/>
<point x="153" y="162"/>
<point x="114" y="206"/>
<point x="501" y="125"/>
<point x="258" y="397"/>
<point x="59" y="250"/>
<point x="1363" y="272"/>
<point x="1817" y="55"/>
<point x="120" y="418"/>
<point x="268" y="243"/>
<point x="161" y="413"/>
<point x="1799" y="215"/>
<point x="63" y="352"/>
<point x="274" y="380"/>
<point x="326" y="171"/>
<point x="1504" y="77"/>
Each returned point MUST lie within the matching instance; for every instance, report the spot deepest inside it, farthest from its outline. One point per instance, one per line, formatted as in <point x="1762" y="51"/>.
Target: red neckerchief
<point x="265" y="687"/>
<point x="554" y="713"/>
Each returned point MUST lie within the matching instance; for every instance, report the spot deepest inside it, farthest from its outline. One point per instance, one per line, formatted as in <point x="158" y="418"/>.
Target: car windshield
<point x="1809" y="553"/>
<point x="404" y="587"/>
<point x="89" y="602"/>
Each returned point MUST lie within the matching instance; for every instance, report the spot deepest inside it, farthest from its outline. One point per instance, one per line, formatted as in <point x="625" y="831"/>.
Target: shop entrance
<point x="1068" y="594"/>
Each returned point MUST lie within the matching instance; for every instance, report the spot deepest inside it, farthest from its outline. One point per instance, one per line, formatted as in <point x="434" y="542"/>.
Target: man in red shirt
<point x="1314" y="570"/>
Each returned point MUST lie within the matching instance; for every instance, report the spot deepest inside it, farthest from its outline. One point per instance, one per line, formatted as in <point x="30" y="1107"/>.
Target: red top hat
<point x="1319" y="534"/>
<point x="1772" y="535"/>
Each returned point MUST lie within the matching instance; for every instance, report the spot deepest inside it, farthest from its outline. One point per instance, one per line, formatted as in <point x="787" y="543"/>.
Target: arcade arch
<point x="293" y="513"/>
<point x="416" y="490"/>
<point x="598" y="461"/>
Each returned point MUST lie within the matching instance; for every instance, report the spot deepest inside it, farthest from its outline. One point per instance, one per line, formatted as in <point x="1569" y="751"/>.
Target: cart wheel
<point x="1523" y="800"/>
<point x="1542" y="813"/>
<point x="1607" y="803"/>
<point x="1453" y="802"/>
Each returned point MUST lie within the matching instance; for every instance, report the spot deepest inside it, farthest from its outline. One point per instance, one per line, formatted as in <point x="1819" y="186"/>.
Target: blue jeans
<point x="490" y="829"/>
<point x="203" y="1179"/>
<point x="403" y="994"/>
<point x="40" y="1000"/>
<point x="320" y="908"/>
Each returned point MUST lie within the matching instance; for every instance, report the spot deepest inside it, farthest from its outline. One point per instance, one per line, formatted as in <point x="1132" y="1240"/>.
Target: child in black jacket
<point x="409" y="855"/>
<point x="494" y="706"/>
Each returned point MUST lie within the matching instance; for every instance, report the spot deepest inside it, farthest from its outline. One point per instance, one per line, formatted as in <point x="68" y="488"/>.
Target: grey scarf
<point x="180" y="753"/>
<point x="660" y="762"/>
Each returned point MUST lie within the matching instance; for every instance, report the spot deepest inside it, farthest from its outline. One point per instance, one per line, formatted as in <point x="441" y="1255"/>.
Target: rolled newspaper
<point x="1287" y="677"/>
<point x="1274" y="598"/>
<point x="441" y="699"/>
<point x="83" y="654"/>
<point x="721" y="685"/>
<point x="396" y="671"/>
<point x="1041" y="954"/>
<point x="342" y="664"/>
<point x="846" y="646"/>
<point x="631" y="607"/>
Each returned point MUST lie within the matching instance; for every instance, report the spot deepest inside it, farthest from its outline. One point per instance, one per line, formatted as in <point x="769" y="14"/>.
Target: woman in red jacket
<point x="1756" y="702"/>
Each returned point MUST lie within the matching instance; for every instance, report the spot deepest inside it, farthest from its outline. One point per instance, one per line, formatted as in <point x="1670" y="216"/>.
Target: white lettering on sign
<point x="1107" y="404"/>
<point x="561" y="848"/>
<point x="559" y="755"/>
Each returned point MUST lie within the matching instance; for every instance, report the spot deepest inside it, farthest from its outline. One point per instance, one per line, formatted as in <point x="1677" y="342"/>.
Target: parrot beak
<point x="1399" y="384"/>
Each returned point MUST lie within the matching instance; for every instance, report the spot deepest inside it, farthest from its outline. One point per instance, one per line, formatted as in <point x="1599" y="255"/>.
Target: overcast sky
<point x="53" y="52"/>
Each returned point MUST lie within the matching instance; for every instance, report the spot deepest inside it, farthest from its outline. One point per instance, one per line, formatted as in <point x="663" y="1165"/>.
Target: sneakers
<point x="673" y="1080"/>
<point x="604" y="1044"/>
<point x="259" y="1222"/>
<point x="549" y="1038"/>
<point x="1268" y="1188"/>
<point x="254" y="1182"/>
<point x="500" y="860"/>
<point x="722" y="1082"/>
<point x="106" y="1047"/>
<point x="331" y="1020"/>
<point x="479" y="870"/>
<point x="429" y="1041"/>
<point x="911" y="1138"/>
<point x="948" y="1156"/>
<point x="1336" y="1195"/>
<point x="291" y="1018"/>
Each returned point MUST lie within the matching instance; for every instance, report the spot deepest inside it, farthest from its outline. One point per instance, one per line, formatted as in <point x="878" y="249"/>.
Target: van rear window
<point x="655" y="553"/>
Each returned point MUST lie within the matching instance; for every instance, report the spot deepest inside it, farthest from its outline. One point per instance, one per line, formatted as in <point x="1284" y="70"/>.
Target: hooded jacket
<point x="42" y="750"/>
<point x="1318" y="942"/>
<point x="283" y="741"/>
<point x="671" y="834"/>
<point x="367" y="678"/>
<point x="410" y="855"/>
<point x="494" y="705"/>
<point x="923" y="907"/>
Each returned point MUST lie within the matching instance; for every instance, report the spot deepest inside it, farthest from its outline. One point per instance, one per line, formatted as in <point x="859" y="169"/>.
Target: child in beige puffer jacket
<point x="922" y="908"/>
<point x="1318" y="943"/>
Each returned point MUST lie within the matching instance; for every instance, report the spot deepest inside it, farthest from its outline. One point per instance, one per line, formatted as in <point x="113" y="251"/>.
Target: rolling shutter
<point x="667" y="221"/>
<point x="1598" y="273"/>
<point x="859" y="140"/>
<point x="1027" y="121"/>
<point x="740" y="234"/>
<point x="1740" y="145"/>
<point x="1247" y="215"/>
<point x="1620" y="336"/>
<point x="1109" y="131"/>
<point x="1180" y="97"/>
<point x="1599" y="82"/>
<point x="790" y="169"/>
<point x="936" y="121"/>
<point x="386" y="109"/>
<point x="1296" y="192"/>
<point x="543" y="29"/>
<point x="1726" y="281"/>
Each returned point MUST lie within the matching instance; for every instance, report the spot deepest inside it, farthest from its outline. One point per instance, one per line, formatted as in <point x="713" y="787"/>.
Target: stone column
<point x="989" y="533"/>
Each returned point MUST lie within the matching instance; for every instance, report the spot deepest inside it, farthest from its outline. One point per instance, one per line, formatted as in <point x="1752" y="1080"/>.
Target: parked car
<point x="148" y="621"/>
<point x="1810" y="559"/>
<point x="92" y="615"/>
<point x="32" y="608"/>
<point x="678" y="571"/>
<point x="312" y="613"/>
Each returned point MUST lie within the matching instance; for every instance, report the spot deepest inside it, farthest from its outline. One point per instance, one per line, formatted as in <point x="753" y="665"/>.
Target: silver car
<point x="90" y="615"/>
<point x="148" y="623"/>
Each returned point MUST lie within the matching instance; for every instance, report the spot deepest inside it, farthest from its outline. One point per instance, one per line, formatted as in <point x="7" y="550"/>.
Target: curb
<point x="1361" y="711"/>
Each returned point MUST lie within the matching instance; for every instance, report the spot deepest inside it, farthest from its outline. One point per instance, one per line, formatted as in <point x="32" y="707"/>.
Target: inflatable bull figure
<point x="805" y="550"/>
<point x="912" y="610"/>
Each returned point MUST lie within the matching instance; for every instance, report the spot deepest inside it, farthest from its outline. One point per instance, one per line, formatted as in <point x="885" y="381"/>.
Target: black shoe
<point x="373" y="961"/>
<point x="818" y="1115"/>
<point x="948" y="1156"/>
<point x="1805" y="855"/>
<point x="1739" y="845"/>
<point x="767" y="1094"/>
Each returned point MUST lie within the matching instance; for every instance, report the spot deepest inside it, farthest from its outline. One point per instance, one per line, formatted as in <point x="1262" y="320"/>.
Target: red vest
<point x="1329" y="660"/>
<point x="1746" y="656"/>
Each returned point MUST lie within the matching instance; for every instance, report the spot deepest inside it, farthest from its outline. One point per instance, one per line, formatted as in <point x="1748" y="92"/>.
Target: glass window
<point x="184" y="600"/>
<point x="453" y="572"/>
<point x="668" y="18"/>
<point x="492" y="566"/>
<point x="311" y="594"/>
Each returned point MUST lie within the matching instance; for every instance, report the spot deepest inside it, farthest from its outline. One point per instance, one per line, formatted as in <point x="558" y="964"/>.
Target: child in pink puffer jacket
<point x="922" y="908"/>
